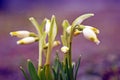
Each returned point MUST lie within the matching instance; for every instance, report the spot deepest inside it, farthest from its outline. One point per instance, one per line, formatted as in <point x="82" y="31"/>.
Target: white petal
<point x="94" y="29"/>
<point x="20" y="34"/>
<point x="90" y="35"/>
<point x="26" y="40"/>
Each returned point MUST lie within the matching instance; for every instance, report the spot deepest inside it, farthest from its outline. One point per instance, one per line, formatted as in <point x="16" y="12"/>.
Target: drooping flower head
<point x="90" y="34"/>
<point x="20" y="34"/>
<point x="27" y="40"/>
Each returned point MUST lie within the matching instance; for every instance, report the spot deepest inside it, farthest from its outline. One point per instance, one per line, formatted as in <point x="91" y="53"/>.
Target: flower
<point x="64" y="49"/>
<point x="20" y="34"/>
<point x="90" y="34"/>
<point x="47" y="26"/>
<point x="27" y="40"/>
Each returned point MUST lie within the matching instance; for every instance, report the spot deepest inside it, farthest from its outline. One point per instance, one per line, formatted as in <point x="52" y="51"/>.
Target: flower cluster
<point x="69" y="31"/>
<point x="26" y="36"/>
<point x="46" y="34"/>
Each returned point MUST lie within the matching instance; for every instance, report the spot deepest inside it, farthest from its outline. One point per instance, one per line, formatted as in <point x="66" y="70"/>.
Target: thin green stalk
<point x="70" y="47"/>
<point x="70" y="54"/>
<point x="40" y="59"/>
<point x="48" y="53"/>
<point x="37" y="26"/>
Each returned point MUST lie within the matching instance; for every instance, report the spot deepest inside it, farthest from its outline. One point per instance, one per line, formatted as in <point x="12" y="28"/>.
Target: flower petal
<point x="27" y="40"/>
<point x="90" y="35"/>
<point x="20" y="34"/>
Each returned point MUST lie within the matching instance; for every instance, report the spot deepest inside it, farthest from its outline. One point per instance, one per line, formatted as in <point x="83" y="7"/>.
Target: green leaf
<point x="25" y="75"/>
<point x="54" y="73"/>
<point x="53" y="29"/>
<point x="63" y="40"/>
<point x="42" y="25"/>
<point x="42" y="42"/>
<point x="65" y="24"/>
<point x="42" y="74"/>
<point x="65" y="35"/>
<point x="36" y="25"/>
<point x="67" y="69"/>
<point x="32" y="71"/>
<point x="81" y="18"/>
<point x="58" y="69"/>
<point x="48" y="72"/>
<point x="77" y="67"/>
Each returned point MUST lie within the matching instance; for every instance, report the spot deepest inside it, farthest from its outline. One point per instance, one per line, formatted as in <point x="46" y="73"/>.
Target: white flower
<point x="47" y="26"/>
<point x="94" y="29"/>
<point x="64" y="49"/>
<point x="90" y="35"/>
<point x="27" y="40"/>
<point x="20" y="34"/>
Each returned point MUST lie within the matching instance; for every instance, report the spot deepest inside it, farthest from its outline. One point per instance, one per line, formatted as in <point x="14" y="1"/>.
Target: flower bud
<point x="56" y="43"/>
<point x="47" y="26"/>
<point x="90" y="35"/>
<point x="64" y="49"/>
<point x="20" y="34"/>
<point x="27" y="40"/>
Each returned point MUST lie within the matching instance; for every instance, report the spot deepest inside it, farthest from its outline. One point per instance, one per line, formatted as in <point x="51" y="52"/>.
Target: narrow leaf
<point x="42" y="25"/>
<point x="48" y="72"/>
<point x="42" y="74"/>
<point x="53" y="28"/>
<point x="32" y="71"/>
<point x="65" y="24"/>
<point x="36" y="25"/>
<point x="25" y="75"/>
<point x="77" y="67"/>
<point x="67" y="69"/>
<point x="81" y="18"/>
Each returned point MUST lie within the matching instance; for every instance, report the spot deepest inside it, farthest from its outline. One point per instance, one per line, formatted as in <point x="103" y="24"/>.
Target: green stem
<point x="40" y="59"/>
<point x="37" y="26"/>
<point x="48" y="53"/>
<point x="70" y="54"/>
<point x="70" y="47"/>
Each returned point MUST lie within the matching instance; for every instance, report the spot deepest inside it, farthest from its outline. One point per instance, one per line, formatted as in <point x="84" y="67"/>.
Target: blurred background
<point x="100" y="62"/>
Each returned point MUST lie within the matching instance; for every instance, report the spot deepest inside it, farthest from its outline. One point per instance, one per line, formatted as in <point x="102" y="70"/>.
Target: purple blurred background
<point x="98" y="62"/>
